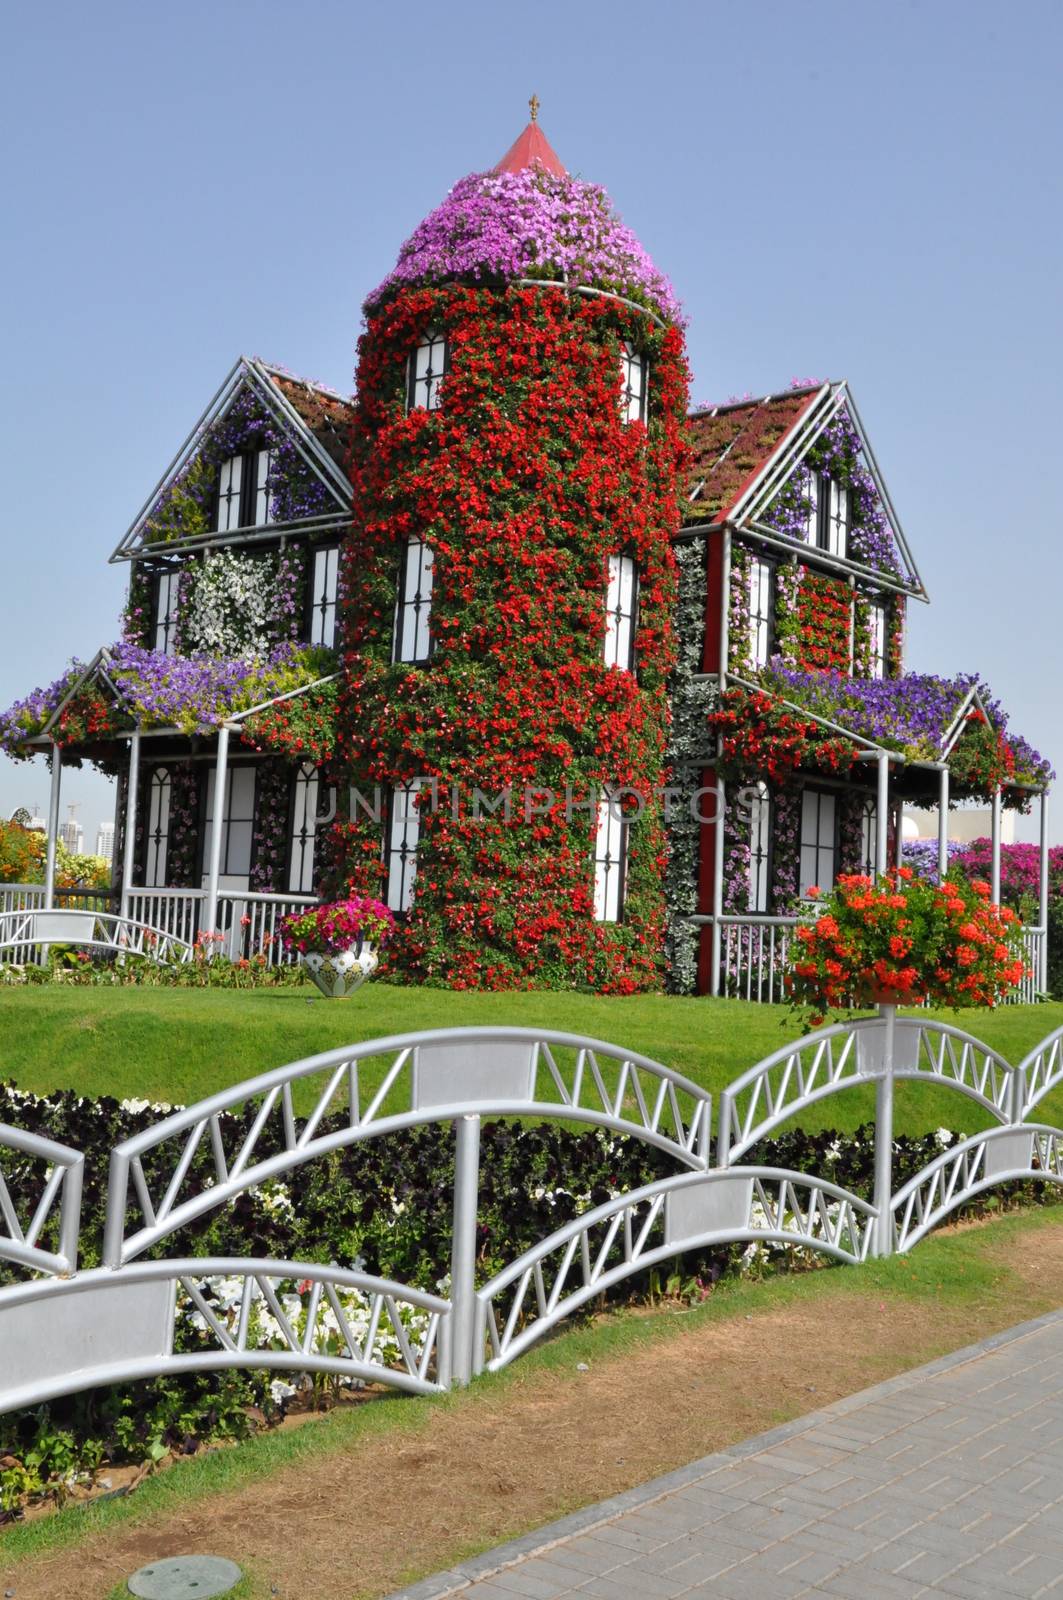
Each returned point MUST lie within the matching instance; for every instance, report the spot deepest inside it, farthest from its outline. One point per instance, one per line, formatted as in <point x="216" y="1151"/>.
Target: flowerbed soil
<point x="357" y="1509"/>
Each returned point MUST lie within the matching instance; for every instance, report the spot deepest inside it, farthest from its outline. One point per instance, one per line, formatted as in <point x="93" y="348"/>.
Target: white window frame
<point x="167" y="594"/>
<point x="877" y="639"/>
<point x="869" y="837"/>
<point x="610" y="859"/>
<point x="324" y="590"/>
<point x="425" y="371"/>
<point x="634" y="379"/>
<point x="263" y="513"/>
<point x="621" y="611"/>
<point x="413" y="605"/>
<point x="812" y="492"/>
<point x="837" y="525"/>
<point x="818" y="840"/>
<point x="760" y="850"/>
<point x="241" y="786"/>
<point x="401" y="844"/>
<point x="302" y="838"/>
<point x="230" y="492"/>
<point x="160" y="790"/>
<point x="761" y="608"/>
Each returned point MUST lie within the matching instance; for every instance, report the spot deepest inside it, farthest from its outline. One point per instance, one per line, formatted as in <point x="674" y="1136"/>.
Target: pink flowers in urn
<point x="337" y="926"/>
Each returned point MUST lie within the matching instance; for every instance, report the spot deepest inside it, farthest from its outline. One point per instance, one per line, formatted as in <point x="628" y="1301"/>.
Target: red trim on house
<point x="710" y="661"/>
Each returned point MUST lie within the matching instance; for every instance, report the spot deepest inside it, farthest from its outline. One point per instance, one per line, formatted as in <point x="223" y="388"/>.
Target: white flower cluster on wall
<point x="230" y="609"/>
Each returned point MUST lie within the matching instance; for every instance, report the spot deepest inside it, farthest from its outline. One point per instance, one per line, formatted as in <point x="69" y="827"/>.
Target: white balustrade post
<point x="221" y="775"/>
<point x="1042" y="898"/>
<point x="720" y="804"/>
<point x="53" y="827"/>
<point x="884" y="1138"/>
<point x="994" y="882"/>
<point x="129" y="847"/>
<point x="882" y="814"/>
<point x="943" y="821"/>
<point x="463" y="1248"/>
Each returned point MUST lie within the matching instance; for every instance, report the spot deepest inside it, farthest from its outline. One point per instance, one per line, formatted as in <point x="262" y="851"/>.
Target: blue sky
<point x="845" y="190"/>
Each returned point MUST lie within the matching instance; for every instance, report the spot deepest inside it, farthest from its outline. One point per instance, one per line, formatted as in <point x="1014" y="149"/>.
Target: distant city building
<point x="966" y="824"/>
<point x="72" y="835"/>
<point x="105" y="840"/>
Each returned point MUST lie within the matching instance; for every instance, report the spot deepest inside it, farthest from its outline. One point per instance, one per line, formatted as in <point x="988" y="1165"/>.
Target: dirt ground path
<point x="357" y="1520"/>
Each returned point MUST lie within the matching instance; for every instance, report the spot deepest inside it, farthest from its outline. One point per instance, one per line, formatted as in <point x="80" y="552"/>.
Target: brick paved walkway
<point x="945" y="1481"/>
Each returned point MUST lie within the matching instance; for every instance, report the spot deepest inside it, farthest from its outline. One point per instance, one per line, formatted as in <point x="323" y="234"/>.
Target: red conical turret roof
<point x="531" y="148"/>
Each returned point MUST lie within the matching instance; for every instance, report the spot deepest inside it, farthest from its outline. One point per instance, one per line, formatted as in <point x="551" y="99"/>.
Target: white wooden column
<point x="882" y="816"/>
<point x="898" y="841"/>
<point x="943" y="822"/>
<point x="994" y="881"/>
<point x="217" y="823"/>
<point x="717" y="884"/>
<point x="53" y="827"/>
<point x="129" y="840"/>
<point x="1042" y="910"/>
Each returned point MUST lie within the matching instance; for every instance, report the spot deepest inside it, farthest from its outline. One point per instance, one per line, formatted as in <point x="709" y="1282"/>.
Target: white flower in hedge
<point x="944" y="1137"/>
<point x="281" y="1391"/>
<point x="275" y="1198"/>
<point x="231" y="605"/>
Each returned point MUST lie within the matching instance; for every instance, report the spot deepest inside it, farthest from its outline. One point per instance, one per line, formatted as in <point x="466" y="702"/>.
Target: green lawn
<point x="178" y="1045"/>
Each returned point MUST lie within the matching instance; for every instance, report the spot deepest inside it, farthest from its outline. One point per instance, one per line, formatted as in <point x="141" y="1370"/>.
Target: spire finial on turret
<point x="533" y="107"/>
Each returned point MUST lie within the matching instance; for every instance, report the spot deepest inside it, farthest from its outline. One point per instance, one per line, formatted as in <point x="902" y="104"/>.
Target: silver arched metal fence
<point x="65" y="1329"/>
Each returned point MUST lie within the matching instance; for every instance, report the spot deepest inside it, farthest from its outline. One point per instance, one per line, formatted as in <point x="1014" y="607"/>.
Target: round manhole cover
<point x="185" y="1578"/>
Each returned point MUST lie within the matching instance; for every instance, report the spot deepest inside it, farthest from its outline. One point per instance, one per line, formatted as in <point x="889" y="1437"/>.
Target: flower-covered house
<point x="589" y="688"/>
<point x="791" y="702"/>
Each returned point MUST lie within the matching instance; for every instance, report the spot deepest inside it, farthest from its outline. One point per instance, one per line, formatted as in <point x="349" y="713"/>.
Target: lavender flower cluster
<point x="530" y="224"/>
<point x="911" y="713"/>
<point x="192" y="693"/>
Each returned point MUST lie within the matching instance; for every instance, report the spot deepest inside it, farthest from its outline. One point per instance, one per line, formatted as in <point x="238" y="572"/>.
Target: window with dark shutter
<point x="167" y="591"/>
<point x="323" y="592"/>
<point x="621" y="604"/>
<point x="610" y="859"/>
<point x="818" y="840"/>
<point x="634" y="379"/>
<point x="426" y="369"/>
<point x="413" y="609"/>
<point x="400" y="845"/>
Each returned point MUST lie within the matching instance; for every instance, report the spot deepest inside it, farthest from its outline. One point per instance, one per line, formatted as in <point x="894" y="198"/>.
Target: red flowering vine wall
<point x="524" y="482"/>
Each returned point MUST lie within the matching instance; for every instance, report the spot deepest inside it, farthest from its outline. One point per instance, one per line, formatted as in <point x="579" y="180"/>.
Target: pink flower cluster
<point x="530" y="224"/>
<point x="337" y="926"/>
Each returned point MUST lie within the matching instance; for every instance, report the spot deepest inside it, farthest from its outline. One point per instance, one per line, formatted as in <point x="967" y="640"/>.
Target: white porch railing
<point x="755" y="955"/>
<point x="249" y="922"/>
<point x="1035" y="942"/>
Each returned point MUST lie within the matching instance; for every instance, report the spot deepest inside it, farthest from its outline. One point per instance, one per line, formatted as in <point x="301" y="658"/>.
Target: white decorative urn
<point x="341" y="974"/>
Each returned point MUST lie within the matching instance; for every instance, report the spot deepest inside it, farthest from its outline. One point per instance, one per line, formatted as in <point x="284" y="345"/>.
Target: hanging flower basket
<point x="339" y="943"/>
<point x="902" y="941"/>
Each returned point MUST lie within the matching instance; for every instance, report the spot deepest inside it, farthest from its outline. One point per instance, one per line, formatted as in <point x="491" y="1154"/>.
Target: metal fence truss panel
<point x="61" y="1330"/>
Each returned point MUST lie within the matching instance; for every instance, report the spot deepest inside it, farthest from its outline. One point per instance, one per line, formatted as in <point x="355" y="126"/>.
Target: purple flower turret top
<point x="529" y="218"/>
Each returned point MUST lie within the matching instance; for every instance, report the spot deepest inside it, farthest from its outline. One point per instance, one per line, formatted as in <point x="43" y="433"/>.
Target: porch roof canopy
<point x="125" y="687"/>
<point x="919" y="720"/>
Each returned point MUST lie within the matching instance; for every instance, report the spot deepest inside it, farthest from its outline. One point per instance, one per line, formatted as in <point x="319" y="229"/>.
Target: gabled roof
<point x="746" y="451"/>
<point x="327" y="414"/>
<point x="317" y="420"/>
